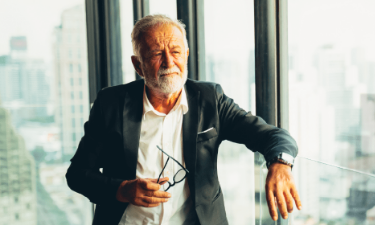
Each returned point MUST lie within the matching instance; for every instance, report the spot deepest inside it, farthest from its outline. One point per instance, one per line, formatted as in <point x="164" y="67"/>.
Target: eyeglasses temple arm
<point x="163" y="170"/>
<point x="172" y="158"/>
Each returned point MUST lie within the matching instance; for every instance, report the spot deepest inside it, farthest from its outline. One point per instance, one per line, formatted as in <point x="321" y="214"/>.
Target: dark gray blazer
<point x="112" y="136"/>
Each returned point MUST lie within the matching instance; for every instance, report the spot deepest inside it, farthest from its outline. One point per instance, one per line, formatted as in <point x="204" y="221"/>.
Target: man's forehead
<point x="165" y="34"/>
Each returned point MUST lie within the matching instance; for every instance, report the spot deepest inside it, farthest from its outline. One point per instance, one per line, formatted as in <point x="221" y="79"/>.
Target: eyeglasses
<point x="179" y="176"/>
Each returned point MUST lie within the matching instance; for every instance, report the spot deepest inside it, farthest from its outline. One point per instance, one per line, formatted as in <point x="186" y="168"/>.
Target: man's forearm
<point x="97" y="187"/>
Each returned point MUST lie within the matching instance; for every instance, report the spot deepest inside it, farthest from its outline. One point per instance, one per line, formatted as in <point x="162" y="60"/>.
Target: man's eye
<point x="176" y="52"/>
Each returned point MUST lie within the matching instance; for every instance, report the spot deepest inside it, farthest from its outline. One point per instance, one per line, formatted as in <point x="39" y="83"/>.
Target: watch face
<point x="287" y="158"/>
<point x="283" y="158"/>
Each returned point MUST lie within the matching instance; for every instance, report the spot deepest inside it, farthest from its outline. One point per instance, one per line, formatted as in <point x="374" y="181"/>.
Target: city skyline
<point x="331" y="87"/>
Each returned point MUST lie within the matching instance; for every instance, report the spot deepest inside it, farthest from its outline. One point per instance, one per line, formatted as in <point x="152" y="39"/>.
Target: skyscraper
<point x="23" y="83"/>
<point x="368" y="124"/>
<point x="17" y="177"/>
<point x="341" y="83"/>
<point x="71" y="82"/>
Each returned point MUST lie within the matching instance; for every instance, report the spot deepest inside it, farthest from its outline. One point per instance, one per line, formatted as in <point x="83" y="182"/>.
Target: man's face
<point x="164" y="64"/>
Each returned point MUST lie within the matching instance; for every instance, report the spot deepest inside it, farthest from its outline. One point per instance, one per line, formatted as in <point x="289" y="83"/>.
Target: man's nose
<point x="168" y="60"/>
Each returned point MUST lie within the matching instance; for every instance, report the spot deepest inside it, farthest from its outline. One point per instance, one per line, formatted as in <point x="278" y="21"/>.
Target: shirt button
<point x="167" y="172"/>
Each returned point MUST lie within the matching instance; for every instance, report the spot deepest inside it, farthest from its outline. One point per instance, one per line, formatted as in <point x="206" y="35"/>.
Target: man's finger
<point x="148" y="185"/>
<point x="271" y="204"/>
<point x="142" y="202"/>
<point x="295" y="195"/>
<point x="155" y="180"/>
<point x="154" y="200"/>
<point x="289" y="201"/>
<point x="281" y="204"/>
<point x="162" y="183"/>
<point x="158" y="194"/>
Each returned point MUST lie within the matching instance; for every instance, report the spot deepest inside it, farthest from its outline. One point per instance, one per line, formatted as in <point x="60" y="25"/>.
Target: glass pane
<point x="332" y="107"/>
<point x="329" y="195"/>
<point x="332" y="80"/>
<point x="262" y="213"/>
<point x="44" y="102"/>
<point x="230" y="62"/>
<point x="127" y="23"/>
<point x="165" y="7"/>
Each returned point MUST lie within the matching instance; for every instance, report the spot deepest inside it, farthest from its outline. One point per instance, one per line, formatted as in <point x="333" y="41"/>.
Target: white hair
<point x="147" y="22"/>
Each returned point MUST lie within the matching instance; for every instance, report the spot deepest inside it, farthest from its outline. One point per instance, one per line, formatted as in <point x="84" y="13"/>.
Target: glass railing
<point x="330" y="195"/>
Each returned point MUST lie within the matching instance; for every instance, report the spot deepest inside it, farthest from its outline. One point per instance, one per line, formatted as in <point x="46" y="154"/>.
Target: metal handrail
<point x="341" y="167"/>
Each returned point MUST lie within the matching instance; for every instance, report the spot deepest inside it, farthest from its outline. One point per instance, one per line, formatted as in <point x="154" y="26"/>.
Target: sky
<point x="345" y="23"/>
<point x="311" y="23"/>
<point x="34" y="19"/>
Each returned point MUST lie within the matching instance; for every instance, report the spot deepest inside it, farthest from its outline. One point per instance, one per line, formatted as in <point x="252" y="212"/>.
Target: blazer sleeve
<point x="83" y="175"/>
<point x="242" y="127"/>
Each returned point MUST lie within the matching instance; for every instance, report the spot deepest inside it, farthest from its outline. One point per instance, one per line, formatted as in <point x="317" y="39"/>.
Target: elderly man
<point x="157" y="141"/>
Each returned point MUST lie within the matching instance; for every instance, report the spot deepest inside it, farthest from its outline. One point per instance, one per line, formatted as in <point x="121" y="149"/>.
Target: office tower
<point x="368" y="126"/>
<point x="341" y="84"/>
<point x="71" y="82"/>
<point x="10" y="80"/>
<point x="312" y="125"/>
<point x="17" y="177"/>
<point x="234" y="160"/>
<point x="23" y="84"/>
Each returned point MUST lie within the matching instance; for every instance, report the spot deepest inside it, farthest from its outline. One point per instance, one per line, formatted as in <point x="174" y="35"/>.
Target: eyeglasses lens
<point x="180" y="175"/>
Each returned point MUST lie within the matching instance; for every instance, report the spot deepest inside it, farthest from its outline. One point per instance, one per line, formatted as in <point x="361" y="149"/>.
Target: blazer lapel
<point x="132" y="121"/>
<point x="189" y="132"/>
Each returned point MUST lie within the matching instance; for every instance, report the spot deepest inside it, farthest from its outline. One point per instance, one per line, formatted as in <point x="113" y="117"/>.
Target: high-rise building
<point x="71" y="81"/>
<point x="312" y="124"/>
<point x="17" y="177"/>
<point x="23" y="83"/>
<point x="368" y="124"/>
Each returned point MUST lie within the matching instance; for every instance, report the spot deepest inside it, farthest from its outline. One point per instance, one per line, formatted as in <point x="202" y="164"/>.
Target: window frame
<point x="271" y="51"/>
<point x="271" y="67"/>
<point x="103" y="45"/>
<point x="191" y="13"/>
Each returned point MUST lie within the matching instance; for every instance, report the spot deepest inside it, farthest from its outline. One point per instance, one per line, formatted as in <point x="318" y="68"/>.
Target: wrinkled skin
<point x="143" y="192"/>
<point x="281" y="190"/>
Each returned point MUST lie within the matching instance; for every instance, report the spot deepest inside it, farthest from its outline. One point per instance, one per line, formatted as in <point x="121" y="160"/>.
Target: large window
<point x="43" y="62"/>
<point x="232" y="65"/>
<point x="332" y="108"/>
<point x="165" y="7"/>
<point x="44" y="102"/>
<point x="127" y="23"/>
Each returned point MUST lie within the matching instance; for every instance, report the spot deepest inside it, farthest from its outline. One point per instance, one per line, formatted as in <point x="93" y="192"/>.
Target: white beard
<point x="167" y="84"/>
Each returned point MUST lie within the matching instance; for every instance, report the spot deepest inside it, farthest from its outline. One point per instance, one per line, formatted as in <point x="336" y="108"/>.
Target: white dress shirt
<point x="164" y="130"/>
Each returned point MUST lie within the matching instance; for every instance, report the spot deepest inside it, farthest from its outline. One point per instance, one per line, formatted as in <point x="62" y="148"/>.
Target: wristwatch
<point x="283" y="158"/>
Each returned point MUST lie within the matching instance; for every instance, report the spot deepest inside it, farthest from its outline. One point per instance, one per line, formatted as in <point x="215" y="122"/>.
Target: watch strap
<point x="283" y="158"/>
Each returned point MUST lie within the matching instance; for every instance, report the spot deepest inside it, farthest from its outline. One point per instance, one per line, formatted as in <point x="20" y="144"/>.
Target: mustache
<point x="163" y="71"/>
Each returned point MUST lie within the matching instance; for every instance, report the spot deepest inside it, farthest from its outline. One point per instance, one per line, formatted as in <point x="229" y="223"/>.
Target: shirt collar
<point x="181" y="102"/>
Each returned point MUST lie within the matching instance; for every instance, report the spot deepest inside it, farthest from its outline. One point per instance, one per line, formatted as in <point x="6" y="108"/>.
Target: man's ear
<point x="187" y="52"/>
<point x="137" y="65"/>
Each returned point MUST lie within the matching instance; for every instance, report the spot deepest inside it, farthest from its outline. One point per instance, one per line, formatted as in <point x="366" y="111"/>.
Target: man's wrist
<point x="120" y="192"/>
<point x="282" y="158"/>
<point x="279" y="165"/>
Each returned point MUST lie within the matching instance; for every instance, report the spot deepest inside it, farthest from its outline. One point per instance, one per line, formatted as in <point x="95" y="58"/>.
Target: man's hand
<point x="143" y="192"/>
<point x="280" y="185"/>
